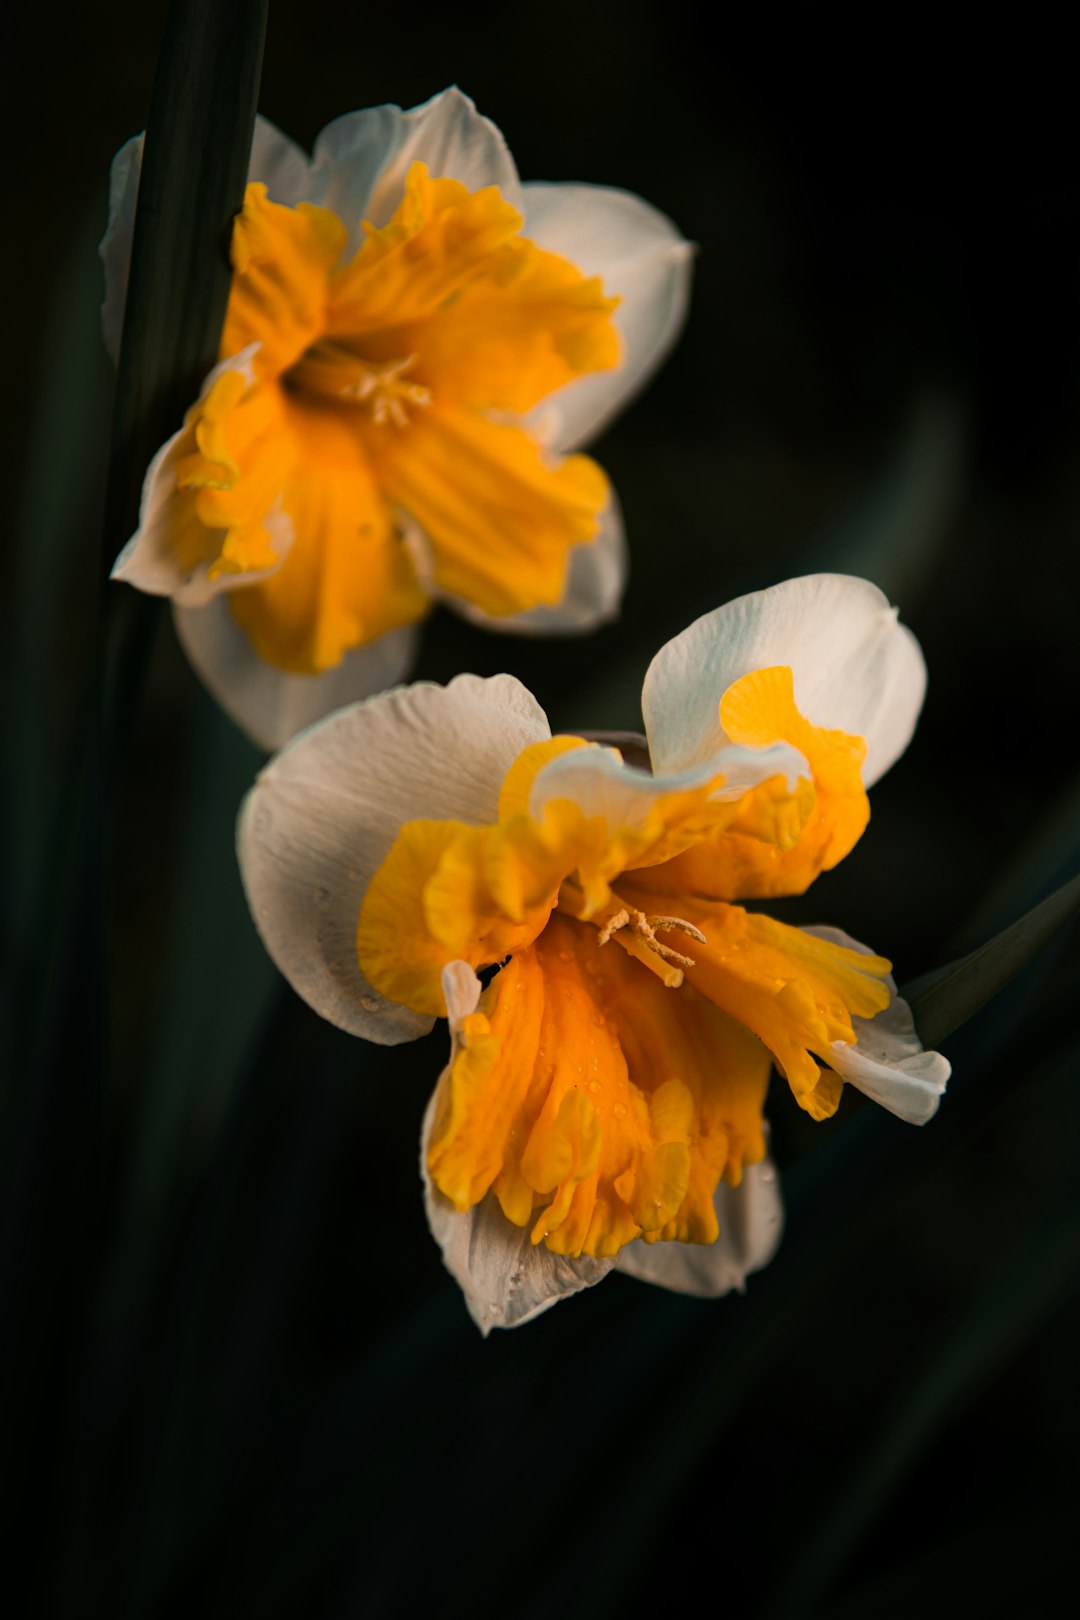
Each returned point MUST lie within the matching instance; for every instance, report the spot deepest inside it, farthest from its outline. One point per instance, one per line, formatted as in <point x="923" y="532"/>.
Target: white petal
<point x="751" y="1220"/>
<point x="323" y="815"/>
<point x="644" y="260"/>
<point x="855" y="668"/>
<point x="151" y="559"/>
<point x="887" y="1062"/>
<point x="600" y="781"/>
<point x="283" y="167"/>
<point x="268" y="703"/>
<point x="506" y="1279"/>
<point x="275" y="160"/>
<point x="115" y="247"/>
<point x="361" y="160"/>
<point x="596" y="574"/>
<point x="461" y="991"/>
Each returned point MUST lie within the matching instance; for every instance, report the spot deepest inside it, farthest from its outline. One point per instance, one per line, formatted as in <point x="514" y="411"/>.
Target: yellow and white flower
<point x="415" y="347"/>
<point x="603" y="1103"/>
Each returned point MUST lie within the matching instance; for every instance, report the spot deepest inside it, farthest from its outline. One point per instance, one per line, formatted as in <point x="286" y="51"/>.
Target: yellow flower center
<point x="330" y="370"/>
<point x="390" y="381"/>
<point x="597" y="1105"/>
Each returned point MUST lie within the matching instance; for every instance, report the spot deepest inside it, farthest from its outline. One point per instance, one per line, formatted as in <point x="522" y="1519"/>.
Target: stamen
<point x="680" y="924"/>
<point x="668" y="954"/>
<point x="333" y="370"/>
<point x="633" y="929"/>
<point x="382" y="386"/>
<point x="613" y="924"/>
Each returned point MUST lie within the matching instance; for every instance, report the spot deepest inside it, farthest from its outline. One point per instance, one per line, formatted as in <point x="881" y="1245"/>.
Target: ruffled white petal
<point x="152" y="558"/>
<point x="361" y="160"/>
<point x="605" y="786"/>
<point x="595" y="577"/>
<point x="115" y="246"/>
<point x="887" y="1062"/>
<point x="268" y="703"/>
<point x="323" y="814"/>
<point x="751" y="1218"/>
<point x="855" y="668"/>
<point x="275" y="160"/>
<point x="644" y="260"/>
<point x="506" y="1279"/>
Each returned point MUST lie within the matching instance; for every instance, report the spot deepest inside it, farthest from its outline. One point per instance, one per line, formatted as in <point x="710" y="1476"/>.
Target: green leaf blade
<point x="943" y="1000"/>
<point x="195" y="162"/>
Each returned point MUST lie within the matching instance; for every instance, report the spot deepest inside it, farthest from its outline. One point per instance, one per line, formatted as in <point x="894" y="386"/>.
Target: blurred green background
<point x="237" y="1379"/>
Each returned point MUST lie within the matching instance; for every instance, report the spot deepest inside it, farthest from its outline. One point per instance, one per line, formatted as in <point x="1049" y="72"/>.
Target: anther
<point x="336" y="371"/>
<point x="612" y="926"/>
<point x="643" y="929"/>
<point x="384" y="388"/>
<point x="678" y="923"/>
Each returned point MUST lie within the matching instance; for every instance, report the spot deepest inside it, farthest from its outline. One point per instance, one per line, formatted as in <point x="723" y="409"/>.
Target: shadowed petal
<point x="751" y="1220"/>
<point x="268" y="703"/>
<point x="644" y="261"/>
<point x="506" y="1279"/>
<point x="888" y="1063"/>
<point x="324" y="813"/>
<point x="283" y="167"/>
<point x="361" y="160"/>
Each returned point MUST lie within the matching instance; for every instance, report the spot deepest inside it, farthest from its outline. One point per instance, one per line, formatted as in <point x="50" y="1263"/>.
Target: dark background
<point x="238" y="1380"/>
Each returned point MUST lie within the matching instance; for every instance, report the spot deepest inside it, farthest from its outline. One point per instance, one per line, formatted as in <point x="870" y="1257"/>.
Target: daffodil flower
<point x="573" y="909"/>
<point x="415" y="346"/>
